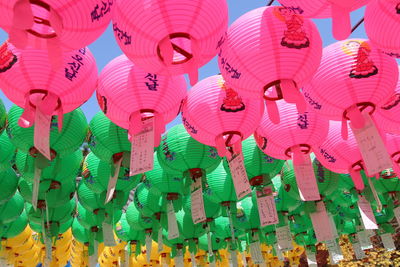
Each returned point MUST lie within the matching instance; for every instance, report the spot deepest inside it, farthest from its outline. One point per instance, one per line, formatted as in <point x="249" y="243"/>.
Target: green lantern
<point x="59" y="228"/>
<point x="12" y="209"/>
<point x="7" y="154"/>
<point x="300" y="223"/>
<point x="59" y="215"/>
<point x="190" y="231"/>
<point x="96" y="175"/>
<point x="8" y="184"/>
<point x="284" y="202"/>
<point x="260" y="167"/>
<point x="85" y="236"/>
<point x="216" y="244"/>
<point x="126" y="233"/>
<point x="247" y="216"/>
<point x="51" y="193"/>
<point x="14" y="228"/>
<point x="3" y="117"/>
<point x="94" y="202"/>
<point x="58" y="169"/>
<point x="327" y="180"/>
<point x="181" y="155"/>
<point x="137" y="221"/>
<point x="306" y="239"/>
<point x="386" y="228"/>
<point x="62" y="143"/>
<point x="107" y="140"/>
<point x="211" y="209"/>
<point x="388" y="182"/>
<point x="147" y="201"/>
<point x="90" y="219"/>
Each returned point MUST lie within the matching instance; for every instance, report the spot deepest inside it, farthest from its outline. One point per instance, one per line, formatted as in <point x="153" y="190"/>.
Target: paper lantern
<point x="216" y="115"/>
<point x="61" y="143"/>
<point x="383" y="12"/>
<point x="137" y="221"/>
<point x="147" y="201"/>
<point x="11" y="209"/>
<point x="338" y="10"/>
<point x="165" y="38"/>
<point x="47" y="90"/>
<point x="91" y="220"/>
<point x="8" y="184"/>
<point x="54" y="216"/>
<point x="54" y="24"/>
<point x="353" y="73"/>
<point x="126" y="233"/>
<point x="270" y="51"/>
<point x="86" y="236"/>
<point x="385" y="114"/>
<point x="247" y="217"/>
<point x="7" y="152"/>
<point x="15" y="227"/>
<point x="284" y="202"/>
<point x="96" y="175"/>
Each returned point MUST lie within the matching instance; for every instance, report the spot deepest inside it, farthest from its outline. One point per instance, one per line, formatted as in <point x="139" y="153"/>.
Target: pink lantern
<point x="341" y="156"/>
<point x="170" y="37"/>
<point x="272" y="51"/>
<point x="338" y="10"/>
<point x="217" y="115"/>
<point x="130" y="96"/>
<point x="388" y="114"/>
<point x="377" y="14"/>
<point x="352" y="74"/>
<point x="295" y="137"/>
<point x="28" y="79"/>
<point x="54" y="24"/>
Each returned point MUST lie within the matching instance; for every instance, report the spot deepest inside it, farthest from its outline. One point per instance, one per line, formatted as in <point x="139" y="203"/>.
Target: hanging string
<point x="270" y="2"/>
<point x="357" y="25"/>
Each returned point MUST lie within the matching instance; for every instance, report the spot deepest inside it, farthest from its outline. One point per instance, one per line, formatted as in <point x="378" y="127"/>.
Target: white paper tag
<point x="311" y="259"/>
<point x="306" y="181"/>
<point x="373" y="150"/>
<point x="360" y="254"/>
<point x="397" y="214"/>
<point x="196" y="196"/>
<point x="255" y="252"/>
<point x="364" y="239"/>
<point x="335" y="253"/>
<point x="233" y="258"/>
<point x="266" y="207"/>
<point x="41" y="137"/>
<point x="367" y="215"/>
<point x="160" y="240"/>
<point x="193" y="259"/>
<point x="321" y="223"/>
<point x="35" y="189"/>
<point x="148" y="247"/>
<point x="239" y="176"/>
<point x="108" y="235"/>
<point x="278" y="252"/>
<point x="173" y="231"/>
<point x="142" y="149"/>
<point x="333" y="226"/>
<point x="284" y="238"/>
<point x="387" y="242"/>
<point x="126" y="259"/>
<point x="179" y="259"/>
<point x="209" y="243"/>
<point x="48" y="246"/>
<point x="112" y="182"/>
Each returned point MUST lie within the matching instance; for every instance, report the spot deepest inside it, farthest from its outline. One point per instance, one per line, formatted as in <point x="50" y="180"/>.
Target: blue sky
<point x="105" y="48"/>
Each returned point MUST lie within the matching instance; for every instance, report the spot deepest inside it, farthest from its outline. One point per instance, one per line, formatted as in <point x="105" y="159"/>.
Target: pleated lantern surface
<point x="190" y="231"/>
<point x="180" y="36"/>
<point x="270" y="51"/>
<point x="8" y="183"/>
<point x="12" y="209"/>
<point x="181" y="154"/>
<point x="338" y="10"/>
<point x="386" y="114"/>
<point x="126" y="233"/>
<point x="86" y="236"/>
<point x="58" y="228"/>
<point x="327" y="180"/>
<point x="212" y="210"/>
<point x="67" y="25"/>
<point x="53" y="91"/>
<point x="7" y="152"/>
<point x="61" y="143"/>
<point x="3" y="116"/>
<point x="58" y="170"/>
<point x="137" y="221"/>
<point x="52" y="194"/>
<point x="353" y="73"/>
<point x="170" y="186"/>
<point x="14" y="228"/>
<point x="341" y="156"/>
<point x="96" y="175"/>
<point x="96" y="202"/>
<point x="216" y="115"/>
<point x="387" y="183"/>
<point x="283" y="200"/>
<point x="91" y="220"/>
<point x="147" y="201"/>
<point x="384" y="12"/>
<point x="297" y="132"/>
<point x="128" y="94"/>
<point x="247" y="217"/>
